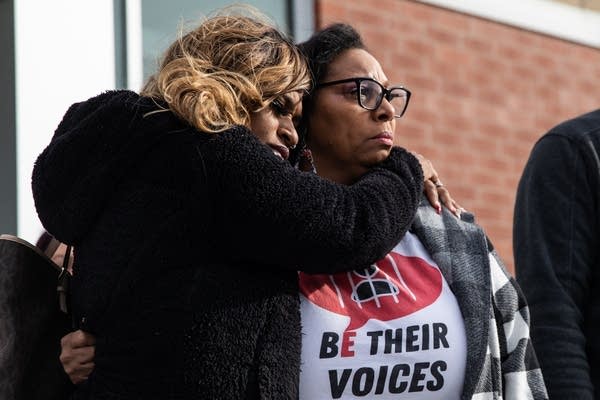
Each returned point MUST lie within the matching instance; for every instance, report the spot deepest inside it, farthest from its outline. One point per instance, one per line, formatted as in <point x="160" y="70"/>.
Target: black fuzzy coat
<point x="187" y="247"/>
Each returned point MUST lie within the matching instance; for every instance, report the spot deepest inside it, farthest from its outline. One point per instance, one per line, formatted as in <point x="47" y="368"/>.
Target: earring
<point x="306" y="162"/>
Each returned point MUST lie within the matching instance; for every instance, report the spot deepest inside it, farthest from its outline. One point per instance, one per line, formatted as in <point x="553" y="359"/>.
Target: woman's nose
<point x="385" y="111"/>
<point x="288" y="134"/>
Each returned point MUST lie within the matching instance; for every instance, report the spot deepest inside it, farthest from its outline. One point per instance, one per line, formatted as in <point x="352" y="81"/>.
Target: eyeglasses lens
<point x="371" y="95"/>
<point x="398" y="99"/>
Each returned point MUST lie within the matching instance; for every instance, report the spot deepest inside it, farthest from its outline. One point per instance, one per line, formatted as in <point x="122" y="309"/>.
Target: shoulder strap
<point x="63" y="282"/>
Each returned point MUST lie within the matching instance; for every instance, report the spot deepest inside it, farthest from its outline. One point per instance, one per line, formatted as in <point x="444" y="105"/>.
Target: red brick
<point x="483" y="93"/>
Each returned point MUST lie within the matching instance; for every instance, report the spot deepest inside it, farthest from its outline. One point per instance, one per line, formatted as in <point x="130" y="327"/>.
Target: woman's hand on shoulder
<point x="434" y="189"/>
<point x="77" y="355"/>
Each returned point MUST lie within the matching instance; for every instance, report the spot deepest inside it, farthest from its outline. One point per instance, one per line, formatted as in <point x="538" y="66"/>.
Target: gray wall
<point x="8" y="161"/>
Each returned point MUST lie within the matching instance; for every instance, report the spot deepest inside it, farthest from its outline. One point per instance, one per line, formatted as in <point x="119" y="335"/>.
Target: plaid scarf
<point x="501" y="362"/>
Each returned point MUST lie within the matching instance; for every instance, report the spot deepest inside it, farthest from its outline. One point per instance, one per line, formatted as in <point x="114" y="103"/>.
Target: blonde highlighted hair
<point x="229" y="67"/>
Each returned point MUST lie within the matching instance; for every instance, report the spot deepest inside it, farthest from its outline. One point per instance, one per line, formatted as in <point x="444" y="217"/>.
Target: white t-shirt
<point x="391" y="331"/>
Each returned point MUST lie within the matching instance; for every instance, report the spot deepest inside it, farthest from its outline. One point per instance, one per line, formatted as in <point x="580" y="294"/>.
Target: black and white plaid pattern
<point x="501" y="362"/>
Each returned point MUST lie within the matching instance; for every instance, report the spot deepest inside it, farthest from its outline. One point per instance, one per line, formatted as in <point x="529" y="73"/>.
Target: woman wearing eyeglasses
<point x="437" y="318"/>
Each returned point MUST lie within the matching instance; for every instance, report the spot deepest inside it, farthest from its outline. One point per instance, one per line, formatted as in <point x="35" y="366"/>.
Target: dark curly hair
<point x="325" y="45"/>
<point x="320" y="50"/>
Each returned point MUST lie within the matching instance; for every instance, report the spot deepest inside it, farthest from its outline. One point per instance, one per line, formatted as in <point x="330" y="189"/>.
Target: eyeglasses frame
<point x="386" y="92"/>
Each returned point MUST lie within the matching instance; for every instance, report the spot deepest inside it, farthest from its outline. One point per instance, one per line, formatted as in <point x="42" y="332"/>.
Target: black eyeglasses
<point x="370" y="94"/>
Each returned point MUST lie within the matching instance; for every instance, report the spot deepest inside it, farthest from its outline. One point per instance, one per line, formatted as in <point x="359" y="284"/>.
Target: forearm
<point x="309" y="222"/>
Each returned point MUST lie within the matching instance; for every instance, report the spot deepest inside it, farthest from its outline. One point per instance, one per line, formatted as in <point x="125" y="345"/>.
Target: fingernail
<point x="438" y="208"/>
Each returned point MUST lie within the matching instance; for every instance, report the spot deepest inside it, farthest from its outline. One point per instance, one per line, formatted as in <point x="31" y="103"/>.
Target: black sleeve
<point x="94" y="145"/>
<point x="269" y="212"/>
<point x="555" y="238"/>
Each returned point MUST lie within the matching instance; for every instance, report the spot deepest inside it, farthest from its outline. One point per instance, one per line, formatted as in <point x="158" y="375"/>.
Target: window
<point x="161" y="20"/>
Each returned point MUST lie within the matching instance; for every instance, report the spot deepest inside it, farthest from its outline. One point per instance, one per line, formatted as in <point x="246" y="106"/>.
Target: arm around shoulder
<point x="286" y="217"/>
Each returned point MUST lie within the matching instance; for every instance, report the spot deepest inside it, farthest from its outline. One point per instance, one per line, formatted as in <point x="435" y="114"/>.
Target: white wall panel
<point x="64" y="53"/>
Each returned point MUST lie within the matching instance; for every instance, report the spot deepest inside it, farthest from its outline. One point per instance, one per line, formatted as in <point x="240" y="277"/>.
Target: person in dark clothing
<point x="556" y="248"/>
<point x="190" y="225"/>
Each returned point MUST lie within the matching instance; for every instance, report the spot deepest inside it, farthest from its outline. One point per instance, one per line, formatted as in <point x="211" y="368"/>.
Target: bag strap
<point x="63" y="282"/>
<point x="52" y="247"/>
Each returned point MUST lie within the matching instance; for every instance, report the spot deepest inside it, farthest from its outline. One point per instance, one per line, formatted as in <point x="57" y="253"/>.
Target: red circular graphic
<point x="391" y="288"/>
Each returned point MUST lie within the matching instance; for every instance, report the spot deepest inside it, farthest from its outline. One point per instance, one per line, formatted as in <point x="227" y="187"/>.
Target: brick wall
<point x="483" y="92"/>
<point x="588" y="4"/>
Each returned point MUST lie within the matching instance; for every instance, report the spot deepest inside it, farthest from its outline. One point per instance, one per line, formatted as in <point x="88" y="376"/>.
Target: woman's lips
<point x="280" y="151"/>
<point x="386" y="138"/>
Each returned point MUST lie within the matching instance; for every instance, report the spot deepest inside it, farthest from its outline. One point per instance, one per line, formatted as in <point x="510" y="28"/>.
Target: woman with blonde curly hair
<point x="229" y="67"/>
<point x="189" y="224"/>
